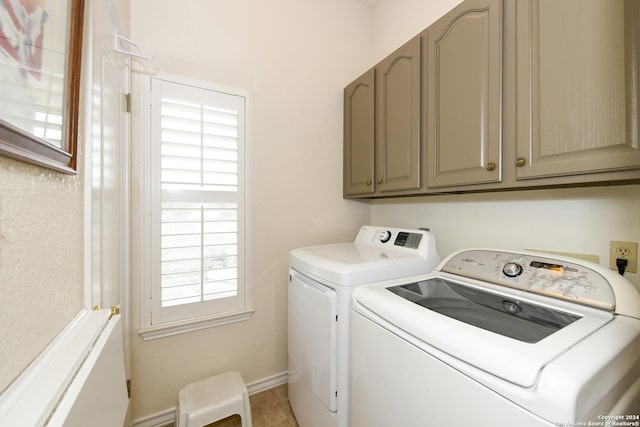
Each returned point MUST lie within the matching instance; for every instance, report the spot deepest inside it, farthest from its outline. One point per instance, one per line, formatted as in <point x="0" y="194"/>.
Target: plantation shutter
<point x="198" y="151"/>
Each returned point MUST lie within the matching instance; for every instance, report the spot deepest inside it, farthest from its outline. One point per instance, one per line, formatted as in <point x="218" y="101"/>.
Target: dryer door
<point x="313" y="335"/>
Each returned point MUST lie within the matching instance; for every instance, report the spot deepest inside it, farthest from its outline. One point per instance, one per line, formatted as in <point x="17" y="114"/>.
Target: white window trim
<point x="147" y="330"/>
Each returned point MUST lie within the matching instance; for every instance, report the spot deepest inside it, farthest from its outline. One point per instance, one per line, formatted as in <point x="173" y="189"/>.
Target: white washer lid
<point x="350" y="264"/>
<point x="509" y="359"/>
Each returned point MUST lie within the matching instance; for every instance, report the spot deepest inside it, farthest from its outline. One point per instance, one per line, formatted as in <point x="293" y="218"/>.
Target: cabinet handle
<point x="368" y="182"/>
<point x="379" y="180"/>
<point x="491" y="166"/>
<point x="521" y="161"/>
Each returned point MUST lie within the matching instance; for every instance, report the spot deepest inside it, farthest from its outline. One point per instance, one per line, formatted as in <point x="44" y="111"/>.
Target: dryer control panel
<point x="392" y="238"/>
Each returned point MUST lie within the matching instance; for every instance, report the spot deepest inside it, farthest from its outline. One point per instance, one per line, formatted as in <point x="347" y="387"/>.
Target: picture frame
<point x="40" y="61"/>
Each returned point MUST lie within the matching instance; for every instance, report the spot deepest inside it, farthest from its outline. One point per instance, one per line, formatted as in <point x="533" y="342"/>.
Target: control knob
<point x="512" y="269"/>
<point x="384" y="236"/>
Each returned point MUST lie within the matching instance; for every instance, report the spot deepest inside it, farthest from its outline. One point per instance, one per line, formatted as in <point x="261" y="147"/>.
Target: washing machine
<point x="497" y="338"/>
<point x="321" y="281"/>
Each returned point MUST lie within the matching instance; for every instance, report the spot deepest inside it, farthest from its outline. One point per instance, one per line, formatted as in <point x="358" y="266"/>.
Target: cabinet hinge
<point x="127" y="100"/>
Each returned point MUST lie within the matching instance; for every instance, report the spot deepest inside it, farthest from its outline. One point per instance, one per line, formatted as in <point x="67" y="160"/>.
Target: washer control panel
<point x="532" y="273"/>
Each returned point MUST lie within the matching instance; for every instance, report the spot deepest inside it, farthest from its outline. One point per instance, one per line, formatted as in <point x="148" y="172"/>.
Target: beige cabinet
<point x="577" y="87"/>
<point x="359" y="132"/>
<point x="398" y="120"/>
<point x="463" y="52"/>
<point x="501" y="94"/>
<point x="382" y="153"/>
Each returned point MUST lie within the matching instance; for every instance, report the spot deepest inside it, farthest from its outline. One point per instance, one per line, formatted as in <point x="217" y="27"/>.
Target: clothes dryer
<point x="321" y="280"/>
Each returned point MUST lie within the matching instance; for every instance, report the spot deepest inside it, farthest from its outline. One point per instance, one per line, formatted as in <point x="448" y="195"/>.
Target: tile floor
<point x="269" y="408"/>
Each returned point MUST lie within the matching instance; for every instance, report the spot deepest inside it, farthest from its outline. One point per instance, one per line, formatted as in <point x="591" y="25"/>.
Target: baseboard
<point x="268" y="383"/>
<point x="159" y="419"/>
<point x="167" y="417"/>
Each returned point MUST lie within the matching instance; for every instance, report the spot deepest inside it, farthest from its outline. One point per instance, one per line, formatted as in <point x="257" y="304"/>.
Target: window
<point x="198" y="261"/>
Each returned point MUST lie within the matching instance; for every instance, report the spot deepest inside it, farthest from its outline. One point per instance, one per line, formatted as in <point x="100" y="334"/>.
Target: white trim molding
<point x="182" y="326"/>
<point x="40" y="395"/>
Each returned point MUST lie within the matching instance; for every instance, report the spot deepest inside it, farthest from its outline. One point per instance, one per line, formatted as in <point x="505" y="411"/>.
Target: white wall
<point x="395" y="22"/>
<point x="41" y="256"/>
<point x="579" y="220"/>
<point x="295" y="56"/>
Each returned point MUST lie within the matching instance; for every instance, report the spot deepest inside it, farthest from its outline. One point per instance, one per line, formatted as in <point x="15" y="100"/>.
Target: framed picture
<point x="40" y="57"/>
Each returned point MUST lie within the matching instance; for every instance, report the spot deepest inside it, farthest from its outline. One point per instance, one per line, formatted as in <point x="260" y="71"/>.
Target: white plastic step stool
<point x="213" y="399"/>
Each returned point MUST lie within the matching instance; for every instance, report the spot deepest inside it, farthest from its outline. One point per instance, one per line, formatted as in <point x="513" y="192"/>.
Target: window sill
<point x="181" y="327"/>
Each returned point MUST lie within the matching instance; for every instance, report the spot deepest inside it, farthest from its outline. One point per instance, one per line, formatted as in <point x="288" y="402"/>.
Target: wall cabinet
<point x="463" y="52"/>
<point x="398" y="120"/>
<point x="515" y="94"/>
<point x="382" y="147"/>
<point x="577" y="91"/>
<point x="359" y="132"/>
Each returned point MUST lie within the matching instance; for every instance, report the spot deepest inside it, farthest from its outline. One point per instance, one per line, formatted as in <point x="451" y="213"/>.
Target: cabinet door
<point x="398" y="119"/>
<point x="463" y="96"/>
<point x="577" y="93"/>
<point x="359" y="135"/>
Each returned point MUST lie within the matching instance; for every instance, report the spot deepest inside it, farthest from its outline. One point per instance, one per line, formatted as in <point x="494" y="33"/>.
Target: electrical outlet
<point x="624" y="250"/>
